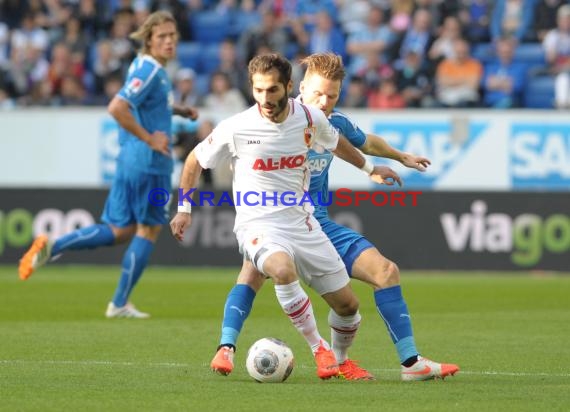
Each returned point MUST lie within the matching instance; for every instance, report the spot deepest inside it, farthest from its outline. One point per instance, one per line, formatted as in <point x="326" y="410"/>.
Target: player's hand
<point x="419" y="163"/>
<point x="188" y="112"/>
<point x="383" y="175"/>
<point x="179" y="223"/>
<point x="159" y="141"/>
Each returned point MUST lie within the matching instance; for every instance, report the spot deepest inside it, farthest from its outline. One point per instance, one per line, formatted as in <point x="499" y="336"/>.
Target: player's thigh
<point x="318" y="263"/>
<point x="150" y="210"/>
<point x="117" y="211"/>
<point x="269" y="252"/>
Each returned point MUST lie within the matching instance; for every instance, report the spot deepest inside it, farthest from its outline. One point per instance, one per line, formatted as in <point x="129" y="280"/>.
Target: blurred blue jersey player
<point x="321" y="87"/>
<point x="143" y="109"/>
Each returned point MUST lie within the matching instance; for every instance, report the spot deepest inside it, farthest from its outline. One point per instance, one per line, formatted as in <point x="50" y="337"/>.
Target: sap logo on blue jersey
<point x="318" y="163"/>
<point x="540" y="156"/>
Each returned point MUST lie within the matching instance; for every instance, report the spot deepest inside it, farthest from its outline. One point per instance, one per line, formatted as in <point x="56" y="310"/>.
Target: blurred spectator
<point x="4" y="42"/>
<point x="414" y="82"/>
<point x="513" y="18"/>
<point x="504" y="80"/>
<point x="545" y="16"/>
<point x="374" y="70"/>
<point x="433" y="8"/>
<point x="123" y="25"/>
<point x="476" y="18"/>
<point x="306" y="12"/>
<point x="91" y="22"/>
<point x="12" y="12"/>
<point x="72" y="92"/>
<point x="184" y="91"/>
<point x="27" y="67"/>
<point x="178" y="10"/>
<point x="52" y="16"/>
<point x="29" y="33"/>
<point x="375" y="37"/>
<point x="386" y="95"/>
<point x="269" y="33"/>
<point x="233" y="67"/>
<point x="61" y="66"/>
<point x="353" y="14"/>
<point x="223" y="97"/>
<point x="401" y="15"/>
<point x="326" y="37"/>
<point x="442" y="47"/>
<point x="418" y="37"/>
<point x="106" y="64"/>
<point x="458" y="78"/>
<point x="557" y="50"/>
<point x="356" y="93"/>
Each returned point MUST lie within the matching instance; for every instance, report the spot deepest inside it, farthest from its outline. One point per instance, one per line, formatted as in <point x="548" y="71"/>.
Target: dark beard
<point x="279" y="107"/>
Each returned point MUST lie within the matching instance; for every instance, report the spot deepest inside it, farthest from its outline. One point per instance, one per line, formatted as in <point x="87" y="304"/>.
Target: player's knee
<point x="348" y="307"/>
<point x="388" y="274"/>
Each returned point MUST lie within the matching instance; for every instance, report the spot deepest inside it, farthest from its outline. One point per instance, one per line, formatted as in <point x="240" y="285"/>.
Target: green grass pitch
<point x="508" y="332"/>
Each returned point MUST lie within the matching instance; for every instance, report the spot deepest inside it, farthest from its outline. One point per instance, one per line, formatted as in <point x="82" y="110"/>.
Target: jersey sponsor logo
<point x="134" y="85"/>
<point x="285" y="162"/>
<point x="318" y="164"/>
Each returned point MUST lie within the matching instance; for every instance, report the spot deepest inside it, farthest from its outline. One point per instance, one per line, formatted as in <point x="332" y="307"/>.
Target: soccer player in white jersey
<point x="268" y="146"/>
<point x="321" y="88"/>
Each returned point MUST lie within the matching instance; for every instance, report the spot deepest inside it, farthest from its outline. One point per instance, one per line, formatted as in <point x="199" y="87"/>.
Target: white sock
<point x="343" y="332"/>
<point x="297" y="305"/>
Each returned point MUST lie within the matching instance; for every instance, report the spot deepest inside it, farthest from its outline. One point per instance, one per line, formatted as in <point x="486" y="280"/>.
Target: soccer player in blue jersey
<point x="321" y="88"/>
<point x="143" y="109"/>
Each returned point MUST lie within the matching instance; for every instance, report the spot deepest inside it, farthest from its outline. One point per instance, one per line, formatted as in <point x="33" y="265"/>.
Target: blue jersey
<point x="319" y="163"/>
<point x="149" y="94"/>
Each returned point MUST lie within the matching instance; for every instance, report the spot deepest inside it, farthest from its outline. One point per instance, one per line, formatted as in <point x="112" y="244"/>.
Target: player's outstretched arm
<point x="346" y="151"/>
<point x="188" y="183"/>
<point x="377" y="146"/>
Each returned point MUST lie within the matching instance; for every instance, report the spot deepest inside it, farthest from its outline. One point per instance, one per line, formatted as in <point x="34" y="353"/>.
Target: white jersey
<point x="269" y="160"/>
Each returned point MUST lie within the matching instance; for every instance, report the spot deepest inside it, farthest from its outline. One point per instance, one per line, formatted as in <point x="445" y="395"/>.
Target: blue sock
<point x="394" y="311"/>
<point x="134" y="262"/>
<point x="237" y="308"/>
<point x="85" y="238"/>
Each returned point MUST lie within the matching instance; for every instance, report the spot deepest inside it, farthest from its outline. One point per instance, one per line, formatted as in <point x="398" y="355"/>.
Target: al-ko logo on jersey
<point x="526" y="237"/>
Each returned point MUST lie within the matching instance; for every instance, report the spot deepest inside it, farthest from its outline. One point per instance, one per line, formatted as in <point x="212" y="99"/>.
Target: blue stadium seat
<point x="190" y="54"/>
<point x="242" y="21"/>
<point x="530" y="53"/>
<point x="210" y="58"/>
<point x="209" y="26"/>
<point x="484" y="52"/>
<point x="539" y="92"/>
<point x="202" y="84"/>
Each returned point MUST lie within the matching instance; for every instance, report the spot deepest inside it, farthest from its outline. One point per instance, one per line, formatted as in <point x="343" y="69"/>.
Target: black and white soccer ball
<point x="269" y="360"/>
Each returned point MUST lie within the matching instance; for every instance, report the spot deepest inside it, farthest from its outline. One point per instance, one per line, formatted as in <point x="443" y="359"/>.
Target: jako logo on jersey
<point x="135" y="85"/>
<point x="286" y="162"/>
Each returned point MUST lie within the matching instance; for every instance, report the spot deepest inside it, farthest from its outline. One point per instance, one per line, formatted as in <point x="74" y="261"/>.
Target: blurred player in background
<point x="321" y="88"/>
<point x="143" y="109"/>
<point x="268" y="144"/>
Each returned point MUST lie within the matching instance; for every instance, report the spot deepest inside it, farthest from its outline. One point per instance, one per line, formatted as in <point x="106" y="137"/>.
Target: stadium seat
<point x="190" y="54"/>
<point x="210" y="58"/>
<point x="209" y="26"/>
<point x="484" y="52"/>
<point x="242" y="21"/>
<point x="530" y="53"/>
<point x="539" y="92"/>
<point x="202" y="84"/>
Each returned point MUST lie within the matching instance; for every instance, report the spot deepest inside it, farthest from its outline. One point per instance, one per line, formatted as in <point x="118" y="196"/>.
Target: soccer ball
<point x="269" y="360"/>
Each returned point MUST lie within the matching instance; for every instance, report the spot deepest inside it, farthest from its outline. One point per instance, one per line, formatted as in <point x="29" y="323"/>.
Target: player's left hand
<point x="179" y="223"/>
<point x="188" y="112"/>
<point x="419" y="163"/>
<point x="383" y="175"/>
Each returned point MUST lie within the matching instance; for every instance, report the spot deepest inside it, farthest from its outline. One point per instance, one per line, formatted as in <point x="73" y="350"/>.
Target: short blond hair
<point x="327" y="65"/>
<point x="144" y="32"/>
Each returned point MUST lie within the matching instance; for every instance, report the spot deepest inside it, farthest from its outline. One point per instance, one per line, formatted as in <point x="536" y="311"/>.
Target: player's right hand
<point x="159" y="142"/>
<point x="179" y="223"/>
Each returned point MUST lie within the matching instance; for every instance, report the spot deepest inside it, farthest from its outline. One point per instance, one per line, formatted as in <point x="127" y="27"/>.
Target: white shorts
<point x="316" y="260"/>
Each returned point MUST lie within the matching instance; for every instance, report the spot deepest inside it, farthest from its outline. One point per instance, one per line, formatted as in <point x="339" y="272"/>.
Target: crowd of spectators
<point x="398" y="53"/>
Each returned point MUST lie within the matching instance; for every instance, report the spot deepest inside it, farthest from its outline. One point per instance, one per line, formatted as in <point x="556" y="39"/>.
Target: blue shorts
<point x="348" y="243"/>
<point x="128" y="200"/>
